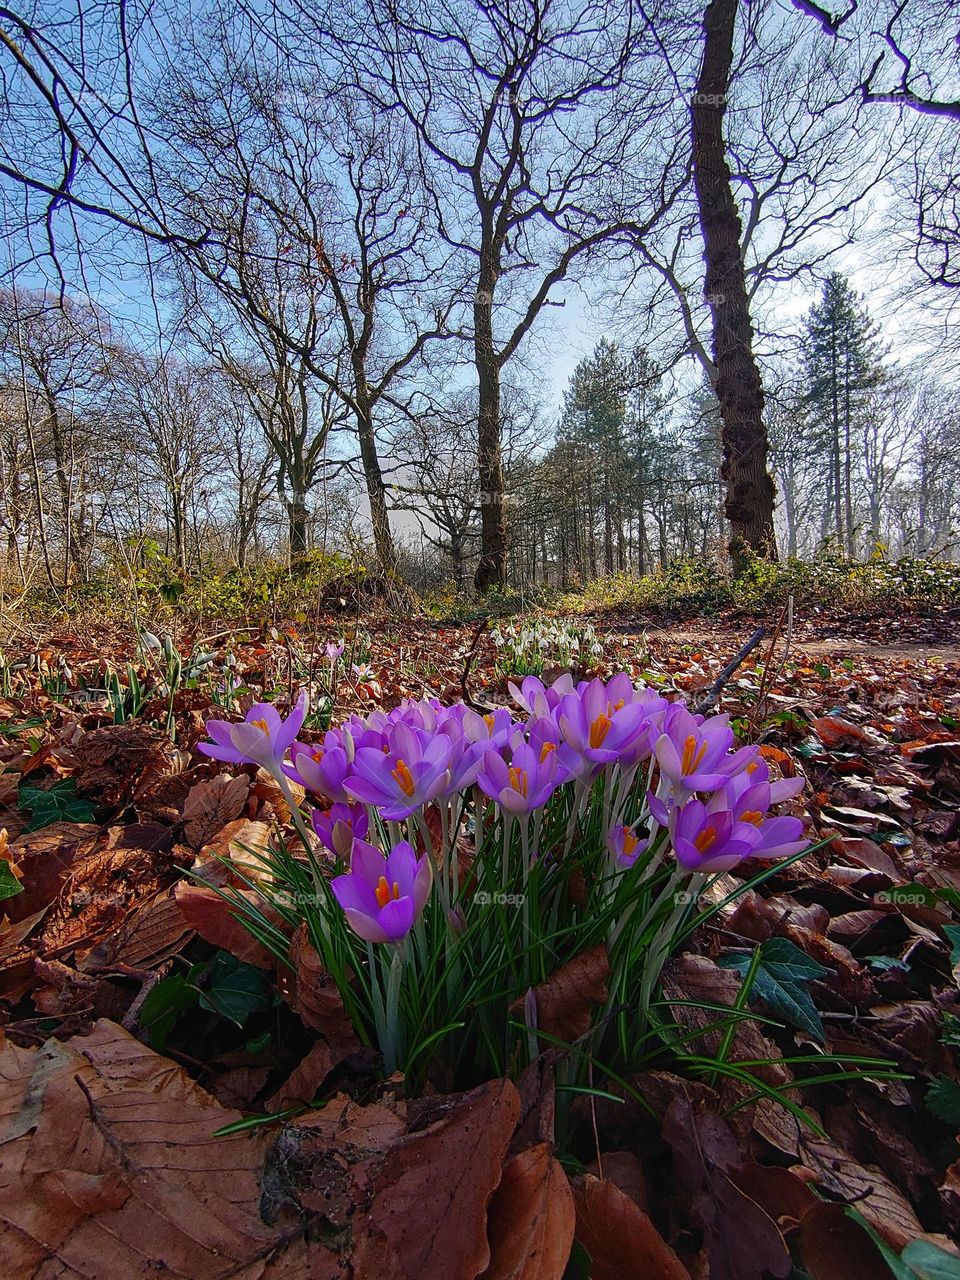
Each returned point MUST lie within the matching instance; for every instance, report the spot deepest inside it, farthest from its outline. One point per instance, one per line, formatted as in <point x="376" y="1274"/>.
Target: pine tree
<point x="843" y="370"/>
<point x="593" y="416"/>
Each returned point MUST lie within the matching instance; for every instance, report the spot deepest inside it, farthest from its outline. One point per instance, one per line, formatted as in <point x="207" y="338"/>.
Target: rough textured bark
<point x="492" y="569"/>
<point x="376" y="494"/>
<point x="749" y="487"/>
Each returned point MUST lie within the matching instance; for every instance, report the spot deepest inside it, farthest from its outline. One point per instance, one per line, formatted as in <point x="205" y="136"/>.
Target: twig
<point x="710" y="697"/>
<point x="465" y="675"/>
<point x="767" y="681"/>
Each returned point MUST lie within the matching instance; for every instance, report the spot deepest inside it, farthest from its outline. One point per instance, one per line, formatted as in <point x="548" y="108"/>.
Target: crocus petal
<point x="396" y="918"/>
<point x="402" y="867"/>
<point x="367" y="927"/>
<point x="269" y="714"/>
<point x="355" y="894"/>
<point x="668" y="757"/>
<point x="288" y="731"/>
<point x="217" y="752"/>
<point x="368" y="862"/>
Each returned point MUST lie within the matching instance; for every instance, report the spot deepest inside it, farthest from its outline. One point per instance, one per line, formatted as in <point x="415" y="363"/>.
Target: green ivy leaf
<point x="10" y="886"/>
<point x="58" y="804"/>
<point x="780" y="982"/>
<point x="953" y="937"/>
<point x="943" y="1100"/>
<point x="235" y="990"/>
<point x="164" y="1004"/>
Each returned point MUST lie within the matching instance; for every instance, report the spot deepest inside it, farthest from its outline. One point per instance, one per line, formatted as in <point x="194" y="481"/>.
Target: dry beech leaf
<point x="46" y="859"/>
<point x="304" y="1081"/>
<point x="431" y="1192"/>
<point x="314" y="996"/>
<point x="781" y="1194"/>
<point x="531" y="1220"/>
<point x="209" y="806"/>
<point x="745" y="1243"/>
<point x="620" y="1238"/>
<point x="245" y="842"/>
<point x="566" y="1000"/>
<point x="833" y="1245"/>
<point x="834" y="730"/>
<point x="881" y="1203"/>
<point x="151" y="933"/>
<point x="218" y="923"/>
<point x="625" y="1171"/>
<point x="109" y="1168"/>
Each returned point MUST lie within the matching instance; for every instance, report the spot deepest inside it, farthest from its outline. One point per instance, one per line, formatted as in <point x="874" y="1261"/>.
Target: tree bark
<point x="492" y="569"/>
<point x="376" y="494"/>
<point x="750" y="490"/>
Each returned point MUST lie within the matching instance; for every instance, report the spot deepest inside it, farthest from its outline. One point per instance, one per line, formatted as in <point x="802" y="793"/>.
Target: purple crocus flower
<point x="709" y="841"/>
<point x="340" y="825"/>
<point x="527" y="783"/>
<point x="692" y="752"/>
<point x="493" y="729"/>
<point x="779" y="837"/>
<point x="320" y="769"/>
<point x="751" y="787"/>
<point x="382" y="896"/>
<point x="407" y="773"/>
<point x="262" y="737"/>
<point x="597" y="728"/>
<point x="536" y="698"/>
<point x="625" y="846"/>
<point x="334" y="651"/>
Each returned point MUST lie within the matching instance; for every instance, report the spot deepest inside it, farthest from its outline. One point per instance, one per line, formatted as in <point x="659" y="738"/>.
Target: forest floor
<point x="142" y="1027"/>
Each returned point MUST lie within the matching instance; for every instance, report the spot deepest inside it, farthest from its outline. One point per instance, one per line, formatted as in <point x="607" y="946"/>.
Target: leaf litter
<point x="173" y="1099"/>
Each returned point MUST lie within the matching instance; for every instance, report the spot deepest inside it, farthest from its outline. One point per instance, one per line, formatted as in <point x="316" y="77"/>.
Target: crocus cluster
<point x="670" y="780"/>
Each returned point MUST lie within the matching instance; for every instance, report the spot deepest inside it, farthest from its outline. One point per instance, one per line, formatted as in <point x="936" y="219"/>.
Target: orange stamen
<point x="599" y="730"/>
<point x="752" y="815"/>
<point x="488" y="720"/>
<point x="546" y="749"/>
<point x="705" y="840"/>
<point x="519" y="780"/>
<point x="262" y="726"/>
<point x="404" y="777"/>
<point x="691" y="755"/>
<point x="630" y="842"/>
<point x="752" y="766"/>
<point x="383" y="892"/>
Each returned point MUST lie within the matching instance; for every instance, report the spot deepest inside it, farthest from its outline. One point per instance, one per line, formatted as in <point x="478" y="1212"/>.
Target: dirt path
<point x="825" y="646"/>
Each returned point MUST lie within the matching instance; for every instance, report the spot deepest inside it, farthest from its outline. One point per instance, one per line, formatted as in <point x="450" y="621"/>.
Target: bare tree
<point x="749" y="488"/>
<point x="319" y="236"/>
<point x="524" y="116"/>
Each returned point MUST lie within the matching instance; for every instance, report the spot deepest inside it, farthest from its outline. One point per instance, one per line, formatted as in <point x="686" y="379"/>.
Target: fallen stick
<point x="709" y="699"/>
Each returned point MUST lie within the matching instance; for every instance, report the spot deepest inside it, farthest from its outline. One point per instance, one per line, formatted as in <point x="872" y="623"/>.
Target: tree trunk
<point x="297" y="526"/>
<point x="376" y="497"/>
<point x="749" y="488"/>
<point x="492" y="569"/>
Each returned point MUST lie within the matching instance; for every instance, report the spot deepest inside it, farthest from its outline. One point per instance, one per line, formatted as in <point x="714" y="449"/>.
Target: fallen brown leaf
<point x="620" y="1238"/>
<point x="531" y="1219"/>
<point x="108" y="1167"/>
